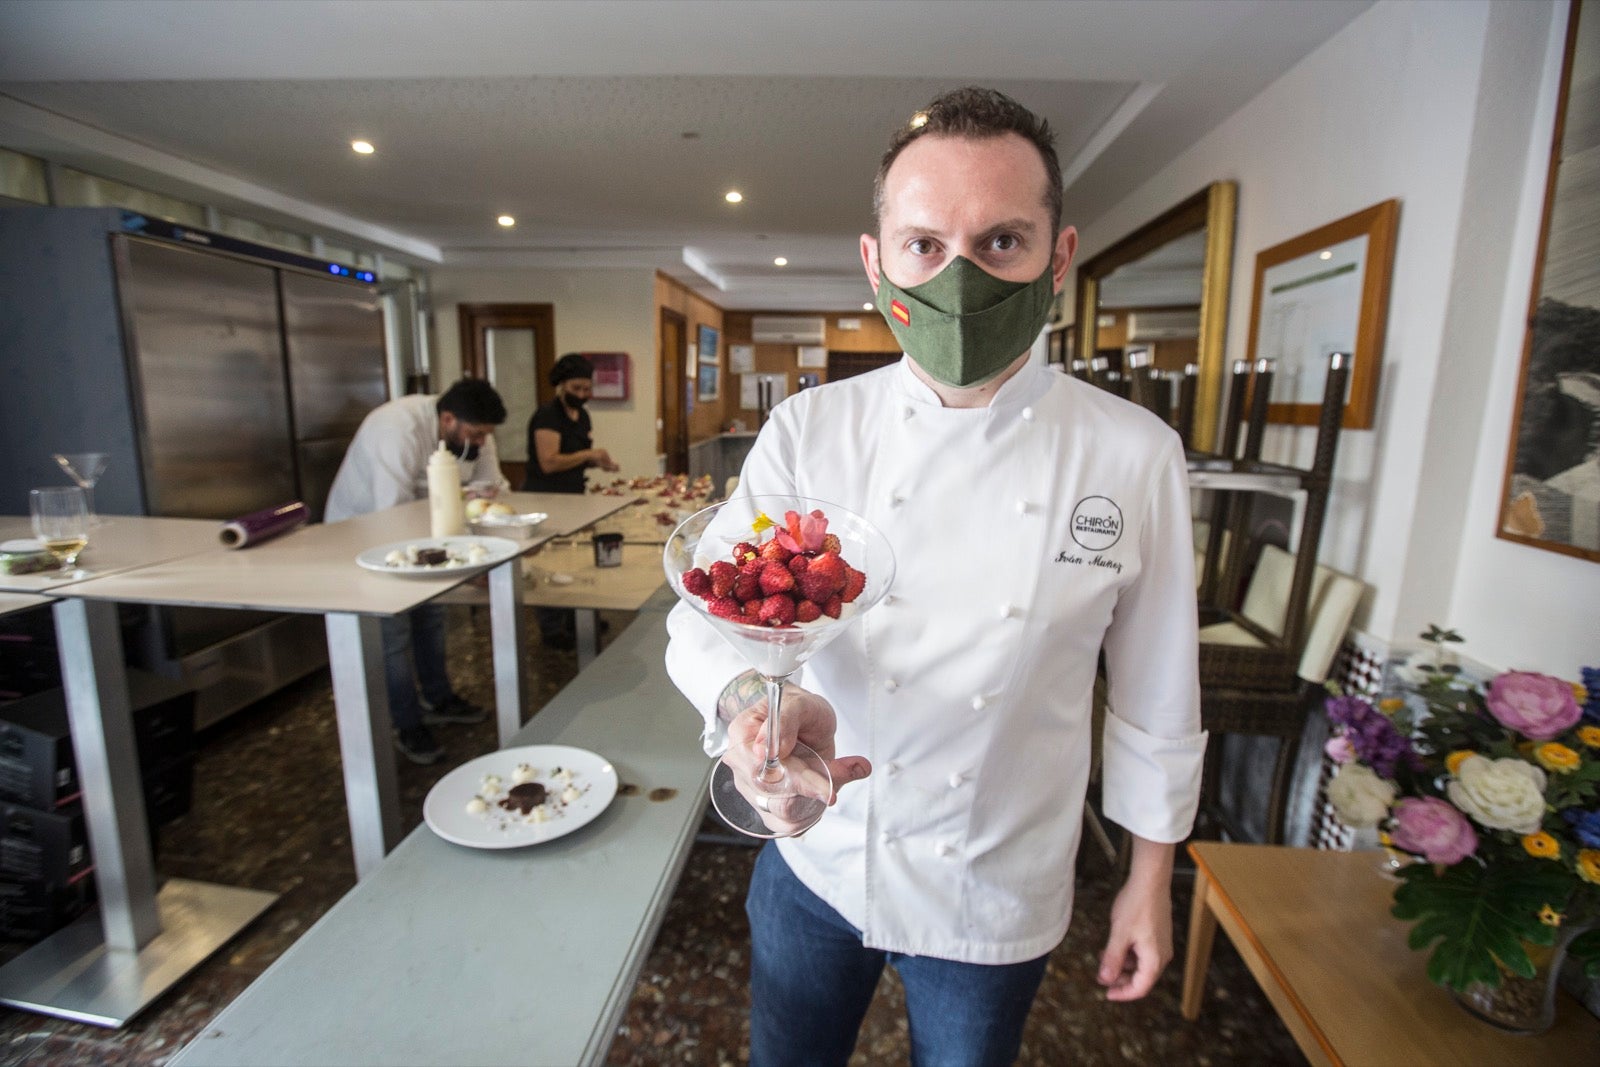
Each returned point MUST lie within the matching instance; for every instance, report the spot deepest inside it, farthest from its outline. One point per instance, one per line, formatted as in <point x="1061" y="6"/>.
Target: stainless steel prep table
<point x="451" y="955"/>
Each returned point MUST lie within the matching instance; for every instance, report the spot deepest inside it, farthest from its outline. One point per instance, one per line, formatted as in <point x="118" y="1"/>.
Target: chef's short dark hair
<point x="571" y="365"/>
<point x="977" y="114"/>
<point x="473" y="400"/>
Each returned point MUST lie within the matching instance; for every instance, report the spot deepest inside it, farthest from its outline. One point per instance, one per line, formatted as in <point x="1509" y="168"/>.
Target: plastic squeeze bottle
<point x="446" y="514"/>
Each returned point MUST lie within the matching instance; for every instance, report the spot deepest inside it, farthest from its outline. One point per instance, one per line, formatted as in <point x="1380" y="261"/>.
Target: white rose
<point x="1502" y="794"/>
<point x="1359" y="796"/>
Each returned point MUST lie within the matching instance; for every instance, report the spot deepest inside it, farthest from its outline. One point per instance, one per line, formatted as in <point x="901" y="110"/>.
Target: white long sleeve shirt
<point x="387" y="461"/>
<point x="1027" y="536"/>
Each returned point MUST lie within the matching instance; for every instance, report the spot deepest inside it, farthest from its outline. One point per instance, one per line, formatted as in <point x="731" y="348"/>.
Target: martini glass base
<point x="789" y="807"/>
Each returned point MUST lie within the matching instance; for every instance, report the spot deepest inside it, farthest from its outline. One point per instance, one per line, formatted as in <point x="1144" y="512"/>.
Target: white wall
<point x="1429" y="102"/>
<point x="595" y="311"/>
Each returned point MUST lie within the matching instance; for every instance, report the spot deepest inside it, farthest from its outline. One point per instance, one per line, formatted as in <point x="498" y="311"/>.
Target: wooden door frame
<point x="679" y="448"/>
<point x="474" y="319"/>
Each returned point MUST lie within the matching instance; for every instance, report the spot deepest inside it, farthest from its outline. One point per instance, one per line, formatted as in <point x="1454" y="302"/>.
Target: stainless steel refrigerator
<point x="220" y="381"/>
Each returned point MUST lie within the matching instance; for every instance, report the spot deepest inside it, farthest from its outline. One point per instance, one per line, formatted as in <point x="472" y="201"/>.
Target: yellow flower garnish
<point x="1589" y="735"/>
<point x="1541" y="845"/>
<point x="1580" y="692"/>
<point x="1390" y="705"/>
<point x="762" y="523"/>
<point x="1525" y="749"/>
<point x="1554" y="756"/>
<point x="1549" y="916"/>
<point x="1589" y="865"/>
<point x="1454" y="761"/>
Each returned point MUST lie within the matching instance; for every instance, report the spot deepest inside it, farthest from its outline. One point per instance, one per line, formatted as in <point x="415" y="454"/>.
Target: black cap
<point x="571" y="365"/>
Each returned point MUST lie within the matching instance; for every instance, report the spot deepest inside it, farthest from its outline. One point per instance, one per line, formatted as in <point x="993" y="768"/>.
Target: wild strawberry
<point x="772" y="550"/>
<point x="823" y="577"/>
<point x="725" y="607"/>
<point x="798" y="564"/>
<point x="775" y="578"/>
<point x="754" y="565"/>
<point x="777" y="610"/>
<point x="743" y="551"/>
<point x="833" y="607"/>
<point x="854" y="582"/>
<point x="752" y="610"/>
<point x="747" y="587"/>
<point x="697" y="582"/>
<point x="830" y="543"/>
<point x="806" y="611"/>
<point x="722" y="575"/>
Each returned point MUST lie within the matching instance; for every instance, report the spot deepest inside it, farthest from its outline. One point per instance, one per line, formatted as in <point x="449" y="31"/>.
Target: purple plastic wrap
<point x="263" y="525"/>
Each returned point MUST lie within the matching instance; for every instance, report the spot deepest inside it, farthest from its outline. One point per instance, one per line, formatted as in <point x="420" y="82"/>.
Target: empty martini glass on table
<point x="725" y="561"/>
<point x="85" y="468"/>
<point x="60" y="522"/>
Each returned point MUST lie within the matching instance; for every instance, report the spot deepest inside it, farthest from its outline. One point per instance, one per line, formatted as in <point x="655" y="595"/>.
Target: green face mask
<point x="963" y="326"/>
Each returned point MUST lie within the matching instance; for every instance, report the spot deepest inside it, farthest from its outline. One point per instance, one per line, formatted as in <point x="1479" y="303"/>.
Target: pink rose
<point x="1535" y="705"/>
<point x="1339" y="749"/>
<point x="1434" y="828"/>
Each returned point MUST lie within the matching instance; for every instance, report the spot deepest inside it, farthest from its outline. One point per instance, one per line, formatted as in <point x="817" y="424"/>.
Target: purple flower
<point x="1433" y="828"/>
<point x="1535" y="705"/>
<point x="1591" y="683"/>
<point x="1585" y="824"/>
<point x="1372" y="735"/>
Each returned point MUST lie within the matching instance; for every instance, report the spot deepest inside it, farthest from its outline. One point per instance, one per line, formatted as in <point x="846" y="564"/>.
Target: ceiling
<point x="612" y="128"/>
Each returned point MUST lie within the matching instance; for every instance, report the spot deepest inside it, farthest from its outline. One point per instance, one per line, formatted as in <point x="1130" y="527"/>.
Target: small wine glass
<point x="791" y="790"/>
<point x="85" y="468"/>
<point x="61" y="522"/>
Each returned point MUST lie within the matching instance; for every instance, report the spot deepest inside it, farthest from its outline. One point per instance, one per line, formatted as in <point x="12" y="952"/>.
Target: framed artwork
<point x="611" y="375"/>
<point x="1551" y="495"/>
<point x="710" y="380"/>
<point x="1323" y="292"/>
<point x="741" y="359"/>
<point x="708" y="344"/>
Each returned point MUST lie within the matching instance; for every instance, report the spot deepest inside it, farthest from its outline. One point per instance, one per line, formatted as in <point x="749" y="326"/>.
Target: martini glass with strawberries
<point x="778" y="577"/>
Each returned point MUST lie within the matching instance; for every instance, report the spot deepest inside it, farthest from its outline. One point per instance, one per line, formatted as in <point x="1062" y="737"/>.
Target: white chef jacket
<point x="387" y="461"/>
<point x="1027" y="535"/>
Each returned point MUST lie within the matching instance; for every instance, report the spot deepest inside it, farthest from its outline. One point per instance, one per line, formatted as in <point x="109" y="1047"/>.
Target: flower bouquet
<point x="1495" y="789"/>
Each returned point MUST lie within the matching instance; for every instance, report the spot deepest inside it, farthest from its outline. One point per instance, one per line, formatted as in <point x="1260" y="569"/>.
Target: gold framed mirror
<point x="1164" y="288"/>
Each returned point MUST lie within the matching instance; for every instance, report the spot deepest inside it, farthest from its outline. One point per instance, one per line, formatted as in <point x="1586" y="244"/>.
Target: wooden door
<point x="513" y="347"/>
<point x="672" y="422"/>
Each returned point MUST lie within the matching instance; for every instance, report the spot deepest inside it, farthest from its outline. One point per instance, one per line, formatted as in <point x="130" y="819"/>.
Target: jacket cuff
<point x="1150" y="785"/>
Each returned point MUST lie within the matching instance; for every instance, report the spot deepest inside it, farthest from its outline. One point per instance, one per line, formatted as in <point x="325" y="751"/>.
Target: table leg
<point x="105" y="968"/>
<point x="508" y="632"/>
<point x="361" y="704"/>
<point x="588" y="634"/>
<point x="1202" y="931"/>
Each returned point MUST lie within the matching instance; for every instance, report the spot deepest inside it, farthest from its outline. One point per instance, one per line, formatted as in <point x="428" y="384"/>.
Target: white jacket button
<point x="946" y="849"/>
<point x="1027" y="414"/>
<point x="888" y="839"/>
<point x="1022" y="507"/>
<point x="890" y="684"/>
<point x="891" y="768"/>
<point x="888" y="598"/>
<point x="956" y="780"/>
<point x="910" y="411"/>
<point x="895" y="500"/>
<point x="1007" y="610"/>
<point x="979" y="702"/>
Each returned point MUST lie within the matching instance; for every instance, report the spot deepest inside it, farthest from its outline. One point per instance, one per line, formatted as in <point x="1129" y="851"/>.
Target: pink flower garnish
<point x="804" y="533"/>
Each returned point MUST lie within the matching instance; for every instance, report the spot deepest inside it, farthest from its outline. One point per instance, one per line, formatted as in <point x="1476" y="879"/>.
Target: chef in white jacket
<point x="1035" y="520"/>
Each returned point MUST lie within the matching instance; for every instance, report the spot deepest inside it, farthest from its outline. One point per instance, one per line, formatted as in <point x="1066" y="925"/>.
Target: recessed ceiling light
<point x="780" y="262"/>
<point x="866" y="307"/>
<point x="733" y="196"/>
<point x="506" y="221"/>
<point x="362" y="147"/>
<point x="1326" y="255"/>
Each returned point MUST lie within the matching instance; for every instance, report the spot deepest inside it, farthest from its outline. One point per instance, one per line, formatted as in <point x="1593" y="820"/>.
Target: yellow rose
<point x="1542" y="846"/>
<point x="1589" y="865"/>
<point x="1390" y="705"/>
<point x="1453" y="761"/>
<point x="1554" y="756"/>
<point x="1589" y="735"/>
<point x="1580" y="692"/>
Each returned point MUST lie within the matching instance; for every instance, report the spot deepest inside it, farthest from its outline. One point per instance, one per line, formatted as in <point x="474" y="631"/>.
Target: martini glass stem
<point x="772" y="770"/>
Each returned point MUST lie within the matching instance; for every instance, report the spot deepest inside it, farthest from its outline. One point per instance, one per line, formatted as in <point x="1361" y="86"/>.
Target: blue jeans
<point x="811" y="980"/>
<point x="413" y="654"/>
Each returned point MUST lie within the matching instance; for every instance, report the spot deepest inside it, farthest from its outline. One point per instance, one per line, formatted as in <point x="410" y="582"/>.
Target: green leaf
<point x="1478" y="915"/>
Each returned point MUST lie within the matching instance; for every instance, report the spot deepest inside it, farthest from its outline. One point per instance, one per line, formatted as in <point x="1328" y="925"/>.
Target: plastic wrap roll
<point x="264" y="525"/>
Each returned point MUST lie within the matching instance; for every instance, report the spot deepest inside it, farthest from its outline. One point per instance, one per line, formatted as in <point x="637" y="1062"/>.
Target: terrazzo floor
<point x="269" y="814"/>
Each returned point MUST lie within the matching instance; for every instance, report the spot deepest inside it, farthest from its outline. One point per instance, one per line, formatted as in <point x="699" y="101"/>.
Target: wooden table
<point x="1315" y="930"/>
<point x="108" y="965"/>
<point x="452" y="955"/>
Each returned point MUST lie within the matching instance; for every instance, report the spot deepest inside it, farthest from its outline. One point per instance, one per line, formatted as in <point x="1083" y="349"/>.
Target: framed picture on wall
<point x="708" y="345"/>
<point x="710" y="380"/>
<point x="610" y="375"/>
<point x="1551" y="494"/>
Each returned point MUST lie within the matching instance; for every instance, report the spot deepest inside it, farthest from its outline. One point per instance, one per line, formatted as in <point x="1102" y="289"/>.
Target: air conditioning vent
<point x="1163" y="325"/>
<point x="773" y="330"/>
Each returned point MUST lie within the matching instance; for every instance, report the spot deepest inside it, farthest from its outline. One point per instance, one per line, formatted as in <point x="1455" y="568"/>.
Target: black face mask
<point x="574" y="402"/>
<point x="461" y="451"/>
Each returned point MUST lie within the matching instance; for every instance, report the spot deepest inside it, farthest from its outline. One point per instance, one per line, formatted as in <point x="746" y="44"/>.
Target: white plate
<point x="499" y="548"/>
<point x="22" y="545"/>
<point x="526" y="518"/>
<point x="446" y="814"/>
